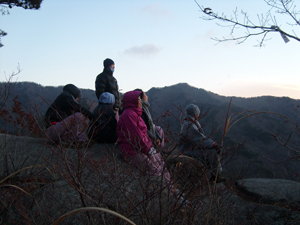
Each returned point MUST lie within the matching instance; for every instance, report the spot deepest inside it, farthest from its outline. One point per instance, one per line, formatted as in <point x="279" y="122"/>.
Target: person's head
<point x="143" y="94"/>
<point x="140" y="102"/>
<point x="109" y="64"/>
<point x="132" y="99"/>
<point x="107" y="98"/>
<point x="73" y="90"/>
<point x="192" y="111"/>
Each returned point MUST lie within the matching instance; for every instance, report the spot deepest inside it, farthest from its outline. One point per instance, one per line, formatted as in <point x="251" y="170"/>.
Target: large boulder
<point x="285" y="192"/>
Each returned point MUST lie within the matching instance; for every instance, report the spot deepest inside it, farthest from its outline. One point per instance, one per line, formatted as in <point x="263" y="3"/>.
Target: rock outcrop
<point x="272" y="191"/>
<point x="71" y="177"/>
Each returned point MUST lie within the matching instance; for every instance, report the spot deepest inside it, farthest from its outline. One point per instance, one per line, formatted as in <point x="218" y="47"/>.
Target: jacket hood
<point x="71" y="88"/>
<point x="130" y="99"/>
<point x="107" y="98"/>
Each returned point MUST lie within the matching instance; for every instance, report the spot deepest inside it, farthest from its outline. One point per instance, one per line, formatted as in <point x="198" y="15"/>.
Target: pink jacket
<point x="131" y="128"/>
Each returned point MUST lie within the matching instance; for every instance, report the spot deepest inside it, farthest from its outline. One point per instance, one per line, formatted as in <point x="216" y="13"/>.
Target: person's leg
<point x="117" y="115"/>
<point x="140" y="161"/>
<point x="53" y="132"/>
<point x="153" y="165"/>
<point x="76" y="126"/>
<point x="71" y="128"/>
<point x="162" y="135"/>
<point x="210" y="159"/>
<point x="157" y="167"/>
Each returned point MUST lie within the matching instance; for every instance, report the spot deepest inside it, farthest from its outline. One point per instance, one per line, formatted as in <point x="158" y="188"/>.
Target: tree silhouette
<point x="8" y="4"/>
<point x="265" y="25"/>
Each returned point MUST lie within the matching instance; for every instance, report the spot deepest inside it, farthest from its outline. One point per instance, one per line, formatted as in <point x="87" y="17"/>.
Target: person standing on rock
<point x="106" y="82"/>
<point x="195" y="144"/>
<point x="65" y="118"/>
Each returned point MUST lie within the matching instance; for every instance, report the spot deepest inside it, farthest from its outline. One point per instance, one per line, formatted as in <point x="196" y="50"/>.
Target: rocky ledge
<point x="103" y="179"/>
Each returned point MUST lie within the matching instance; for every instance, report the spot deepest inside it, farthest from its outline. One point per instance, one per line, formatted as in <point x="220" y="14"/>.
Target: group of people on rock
<point x="128" y="123"/>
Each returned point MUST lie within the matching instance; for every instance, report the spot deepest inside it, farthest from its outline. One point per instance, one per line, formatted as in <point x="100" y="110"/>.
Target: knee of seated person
<point x="79" y="115"/>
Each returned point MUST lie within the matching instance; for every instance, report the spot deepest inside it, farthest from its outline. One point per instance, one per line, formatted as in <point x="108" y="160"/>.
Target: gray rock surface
<point x="272" y="190"/>
<point x="17" y="152"/>
<point x="97" y="176"/>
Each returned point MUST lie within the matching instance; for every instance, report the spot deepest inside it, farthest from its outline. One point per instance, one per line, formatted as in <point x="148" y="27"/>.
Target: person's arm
<point x="157" y="135"/>
<point x="139" y="140"/>
<point x="79" y="108"/>
<point x="100" y="85"/>
<point x="117" y="101"/>
<point x="145" y="118"/>
<point x="198" y="138"/>
<point x="150" y="135"/>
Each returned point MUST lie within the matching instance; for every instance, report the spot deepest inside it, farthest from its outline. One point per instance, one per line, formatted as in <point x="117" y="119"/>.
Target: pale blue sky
<point x="153" y="43"/>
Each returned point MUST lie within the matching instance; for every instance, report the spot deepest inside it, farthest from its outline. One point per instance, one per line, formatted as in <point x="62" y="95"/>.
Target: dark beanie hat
<point x="72" y="89"/>
<point x="108" y="62"/>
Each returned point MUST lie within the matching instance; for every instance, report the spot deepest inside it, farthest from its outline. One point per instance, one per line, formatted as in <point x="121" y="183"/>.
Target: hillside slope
<point x="252" y="159"/>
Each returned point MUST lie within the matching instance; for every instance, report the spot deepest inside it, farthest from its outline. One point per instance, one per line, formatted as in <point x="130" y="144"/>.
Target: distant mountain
<point x="254" y="158"/>
<point x="32" y="94"/>
<point x="184" y="94"/>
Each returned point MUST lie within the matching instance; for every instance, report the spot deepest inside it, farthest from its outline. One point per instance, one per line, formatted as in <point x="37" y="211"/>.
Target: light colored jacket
<point x="192" y="140"/>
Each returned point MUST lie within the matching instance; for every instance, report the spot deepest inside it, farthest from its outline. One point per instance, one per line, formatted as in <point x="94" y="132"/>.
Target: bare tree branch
<point x="266" y="22"/>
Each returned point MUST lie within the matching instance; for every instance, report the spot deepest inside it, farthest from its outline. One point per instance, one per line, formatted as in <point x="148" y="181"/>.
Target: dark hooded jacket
<point x="106" y="82"/>
<point x="63" y="106"/>
<point x="106" y="131"/>
<point x="146" y="116"/>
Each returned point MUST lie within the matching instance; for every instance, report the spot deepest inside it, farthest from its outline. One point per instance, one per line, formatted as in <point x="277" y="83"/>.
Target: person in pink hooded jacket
<point x="135" y="144"/>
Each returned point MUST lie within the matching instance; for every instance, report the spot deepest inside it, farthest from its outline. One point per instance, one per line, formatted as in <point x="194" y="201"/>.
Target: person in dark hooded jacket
<point x="65" y="118"/>
<point x="106" y="131"/>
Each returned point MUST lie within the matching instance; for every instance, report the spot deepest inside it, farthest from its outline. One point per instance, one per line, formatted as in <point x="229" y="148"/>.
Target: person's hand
<point x="158" y="142"/>
<point x="217" y="148"/>
<point x="152" y="151"/>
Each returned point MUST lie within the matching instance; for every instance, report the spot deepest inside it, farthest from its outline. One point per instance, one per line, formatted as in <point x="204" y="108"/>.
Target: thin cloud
<point x="289" y="87"/>
<point x="146" y="50"/>
<point x="155" y="10"/>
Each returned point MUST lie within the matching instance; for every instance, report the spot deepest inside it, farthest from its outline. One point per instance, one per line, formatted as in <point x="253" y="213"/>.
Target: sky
<point x="154" y="43"/>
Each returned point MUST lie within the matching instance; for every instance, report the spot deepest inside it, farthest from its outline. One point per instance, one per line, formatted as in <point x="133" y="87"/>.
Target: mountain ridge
<point x="249" y="143"/>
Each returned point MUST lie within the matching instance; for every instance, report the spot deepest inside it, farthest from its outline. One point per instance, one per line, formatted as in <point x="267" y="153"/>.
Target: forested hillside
<point x="249" y="145"/>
